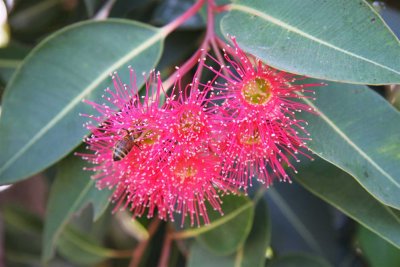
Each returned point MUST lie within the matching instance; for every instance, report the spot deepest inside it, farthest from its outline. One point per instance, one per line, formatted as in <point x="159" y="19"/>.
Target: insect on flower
<point x="126" y="133"/>
<point x="155" y="154"/>
<point x="124" y="146"/>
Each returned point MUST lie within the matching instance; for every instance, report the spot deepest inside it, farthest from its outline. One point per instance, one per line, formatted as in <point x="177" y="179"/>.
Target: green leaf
<point x="236" y="226"/>
<point x="228" y="232"/>
<point x="377" y="251"/>
<point x="334" y="40"/>
<point x="251" y="254"/>
<point x="358" y="131"/>
<point x="80" y="248"/>
<point x="200" y="256"/>
<point x="21" y="235"/>
<point x="42" y="101"/>
<point x="299" y="260"/>
<point x="302" y="220"/>
<point x="343" y="192"/>
<point x="72" y="190"/>
<point x="295" y="220"/>
<point x="22" y="220"/>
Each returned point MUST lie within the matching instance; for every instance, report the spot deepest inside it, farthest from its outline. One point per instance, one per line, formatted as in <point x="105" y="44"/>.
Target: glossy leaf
<point x="304" y="222"/>
<point x="42" y="101"/>
<point x="377" y="251"/>
<point x="343" y="192"/>
<point x="227" y="233"/>
<point x="72" y="190"/>
<point x="22" y="220"/>
<point x="20" y="225"/>
<point x="231" y="234"/>
<point x="335" y="40"/>
<point x="201" y="256"/>
<point x="360" y="135"/>
<point x="81" y="249"/>
<point x="130" y="226"/>
<point x="251" y="254"/>
<point x="299" y="260"/>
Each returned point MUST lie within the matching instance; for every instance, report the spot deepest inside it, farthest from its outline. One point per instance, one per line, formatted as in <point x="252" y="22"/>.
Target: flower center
<point x="185" y="172"/>
<point x="250" y="138"/>
<point x="257" y="91"/>
<point x="144" y="135"/>
<point x="150" y="137"/>
<point x="190" y="122"/>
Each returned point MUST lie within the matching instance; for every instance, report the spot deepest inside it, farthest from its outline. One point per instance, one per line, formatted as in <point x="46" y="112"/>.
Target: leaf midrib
<point x="215" y="224"/>
<point x="350" y="142"/>
<point x="159" y="34"/>
<point x="351" y="214"/>
<point x="296" y="222"/>
<point x="295" y="30"/>
<point x="239" y="257"/>
<point x="78" y="200"/>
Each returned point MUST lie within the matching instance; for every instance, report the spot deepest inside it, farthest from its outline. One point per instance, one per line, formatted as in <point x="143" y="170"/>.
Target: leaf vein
<point x="293" y="29"/>
<point x="351" y="143"/>
<point x="136" y="51"/>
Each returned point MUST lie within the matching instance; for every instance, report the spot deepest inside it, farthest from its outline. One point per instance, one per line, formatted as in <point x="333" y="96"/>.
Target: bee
<point x="124" y="146"/>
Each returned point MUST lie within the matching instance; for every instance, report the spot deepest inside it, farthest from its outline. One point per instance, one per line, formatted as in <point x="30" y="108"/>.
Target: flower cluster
<point x="174" y="152"/>
<point x="259" y="112"/>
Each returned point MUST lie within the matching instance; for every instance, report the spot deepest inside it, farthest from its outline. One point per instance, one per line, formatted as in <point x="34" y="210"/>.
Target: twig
<point x="104" y="12"/>
<point x="166" y="249"/>
<point x="141" y="247"/>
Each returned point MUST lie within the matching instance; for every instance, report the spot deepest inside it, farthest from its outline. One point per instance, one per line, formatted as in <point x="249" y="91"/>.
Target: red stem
<point x="210" y="34"/>
<point x="212" y="40"/>
<point x="221" y="43"/>
<point x="141" y="247"/>
<point x="188" y="65"/>
<point x="167" y="29"/>
<point x="201" y="52"/>
<point x="222" y="8"/>
<point x="166" y="250"/>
